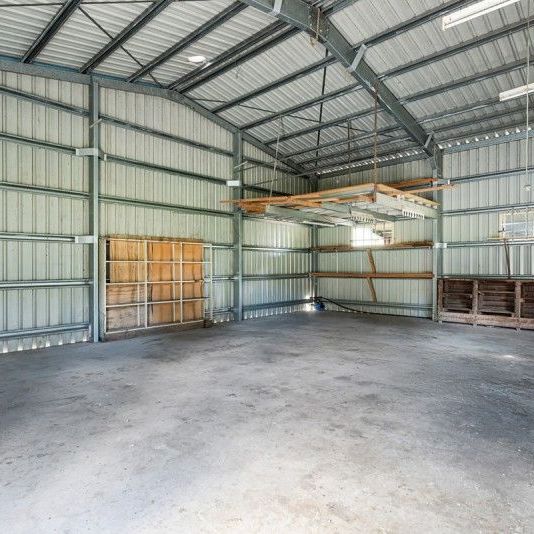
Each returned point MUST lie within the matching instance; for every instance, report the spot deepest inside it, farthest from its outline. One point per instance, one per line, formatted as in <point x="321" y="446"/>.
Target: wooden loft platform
<point x="347" y="205"/>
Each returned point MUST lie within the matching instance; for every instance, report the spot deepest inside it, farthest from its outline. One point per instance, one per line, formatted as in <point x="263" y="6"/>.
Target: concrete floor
<point x="300" y="423"/>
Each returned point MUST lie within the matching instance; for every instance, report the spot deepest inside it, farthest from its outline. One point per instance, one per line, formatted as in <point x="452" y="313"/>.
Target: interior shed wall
<point x="488" y="180"/>
<point x="150" y="184"/>
<point x="395" y="297"/>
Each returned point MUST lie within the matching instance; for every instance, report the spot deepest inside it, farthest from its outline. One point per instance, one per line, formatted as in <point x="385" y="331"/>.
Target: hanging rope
<point x="315" y="38"/>
<point x="375" y="151"/>
<point x="275" y="166"/>
<point x="349" y="151"/>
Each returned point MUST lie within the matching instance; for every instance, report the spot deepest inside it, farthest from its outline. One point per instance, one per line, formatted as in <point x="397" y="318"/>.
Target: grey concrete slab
<point x="301" y="423"/>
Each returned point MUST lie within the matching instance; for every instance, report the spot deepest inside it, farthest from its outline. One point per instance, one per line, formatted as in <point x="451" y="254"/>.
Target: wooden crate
<point x="151" y="283"/>
<point x="491" y="302"/>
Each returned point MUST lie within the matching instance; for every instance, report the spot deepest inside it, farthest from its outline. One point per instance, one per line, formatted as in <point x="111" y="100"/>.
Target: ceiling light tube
<point x="472" y="12"/>
<point x="517" y="92"/>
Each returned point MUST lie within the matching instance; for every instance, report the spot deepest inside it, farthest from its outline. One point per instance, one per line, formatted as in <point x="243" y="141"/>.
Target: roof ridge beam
<point x="58" y="20"/>
<point x="131" y="29"/>
<point x="341" y="4"/>
<point x="220" y="18"/>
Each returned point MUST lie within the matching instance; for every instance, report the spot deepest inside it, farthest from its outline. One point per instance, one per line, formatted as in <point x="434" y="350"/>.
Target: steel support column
<point x="314" y="254"/>
<point x="437" y="235"/>
<point x="238" y="227"/>
<point x="314" y="260"/>
<point x="94" y="211"/>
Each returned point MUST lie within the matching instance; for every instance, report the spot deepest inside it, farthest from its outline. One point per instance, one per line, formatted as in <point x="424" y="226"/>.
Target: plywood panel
<point x="157" y="273"/>
<point x="124" y="318"/>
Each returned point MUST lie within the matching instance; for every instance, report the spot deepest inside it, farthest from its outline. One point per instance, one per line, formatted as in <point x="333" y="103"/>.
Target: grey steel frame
<point x="311" y="20"/>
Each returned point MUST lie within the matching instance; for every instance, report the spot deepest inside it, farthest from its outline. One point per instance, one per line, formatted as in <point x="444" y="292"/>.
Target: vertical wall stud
<point x="437" y="236"/>
<point x="94" y="212"/>
<point x="238" y="227"/>
<point x="314" y="254"/>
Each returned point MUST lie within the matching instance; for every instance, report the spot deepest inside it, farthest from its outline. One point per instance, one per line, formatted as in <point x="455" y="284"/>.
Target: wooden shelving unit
<point x="492" y="302"/>
<point x="153" y="283"/>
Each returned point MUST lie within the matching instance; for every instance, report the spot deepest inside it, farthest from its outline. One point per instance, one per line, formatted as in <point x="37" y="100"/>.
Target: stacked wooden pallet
<point x="493" y="302"/>
<point x="378" y="199"/>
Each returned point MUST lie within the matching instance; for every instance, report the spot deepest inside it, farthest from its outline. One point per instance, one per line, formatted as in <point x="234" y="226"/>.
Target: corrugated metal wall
<point x="276" y="255"/>
<point x="164" y="175"/>
<point x="284" y="264"/>
<point x="396" y="297"/>
<point x="44" y="282"/>
<point x="488" y="181"/>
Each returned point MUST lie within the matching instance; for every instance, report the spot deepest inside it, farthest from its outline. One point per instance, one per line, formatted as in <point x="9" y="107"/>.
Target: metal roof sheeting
<point x="230" y="33"/>
<point x="20" y="26"/>
<point x="279" y="61"/>
<point x="92" y="26"/>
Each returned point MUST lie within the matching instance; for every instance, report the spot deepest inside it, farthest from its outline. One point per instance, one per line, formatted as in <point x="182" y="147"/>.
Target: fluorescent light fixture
<point x="472" y="12"/>
<point x="196" y="59"/>
<point x="517" y="92"/>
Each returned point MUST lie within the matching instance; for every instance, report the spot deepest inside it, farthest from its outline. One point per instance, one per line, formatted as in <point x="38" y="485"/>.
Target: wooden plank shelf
<point x="411" y="245"/>
<point x="402" y="276"/>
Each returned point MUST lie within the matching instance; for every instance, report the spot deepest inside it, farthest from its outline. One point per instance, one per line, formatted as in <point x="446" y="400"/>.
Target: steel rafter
<point x="203" y="30"/>
<point x="397" y="71"/>
<point x="379" y="38"/>
<point x="59" y="19"/>
<point x="440" y="130"/>
<point x="311" y="20"/>
<point x="421" y="95"/>
<point x="474" y="43"/>
<point x="141" y="20"/>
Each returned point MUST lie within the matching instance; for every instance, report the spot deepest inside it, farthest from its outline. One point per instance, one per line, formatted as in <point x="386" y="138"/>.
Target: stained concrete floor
<point x="300" y="423"/>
